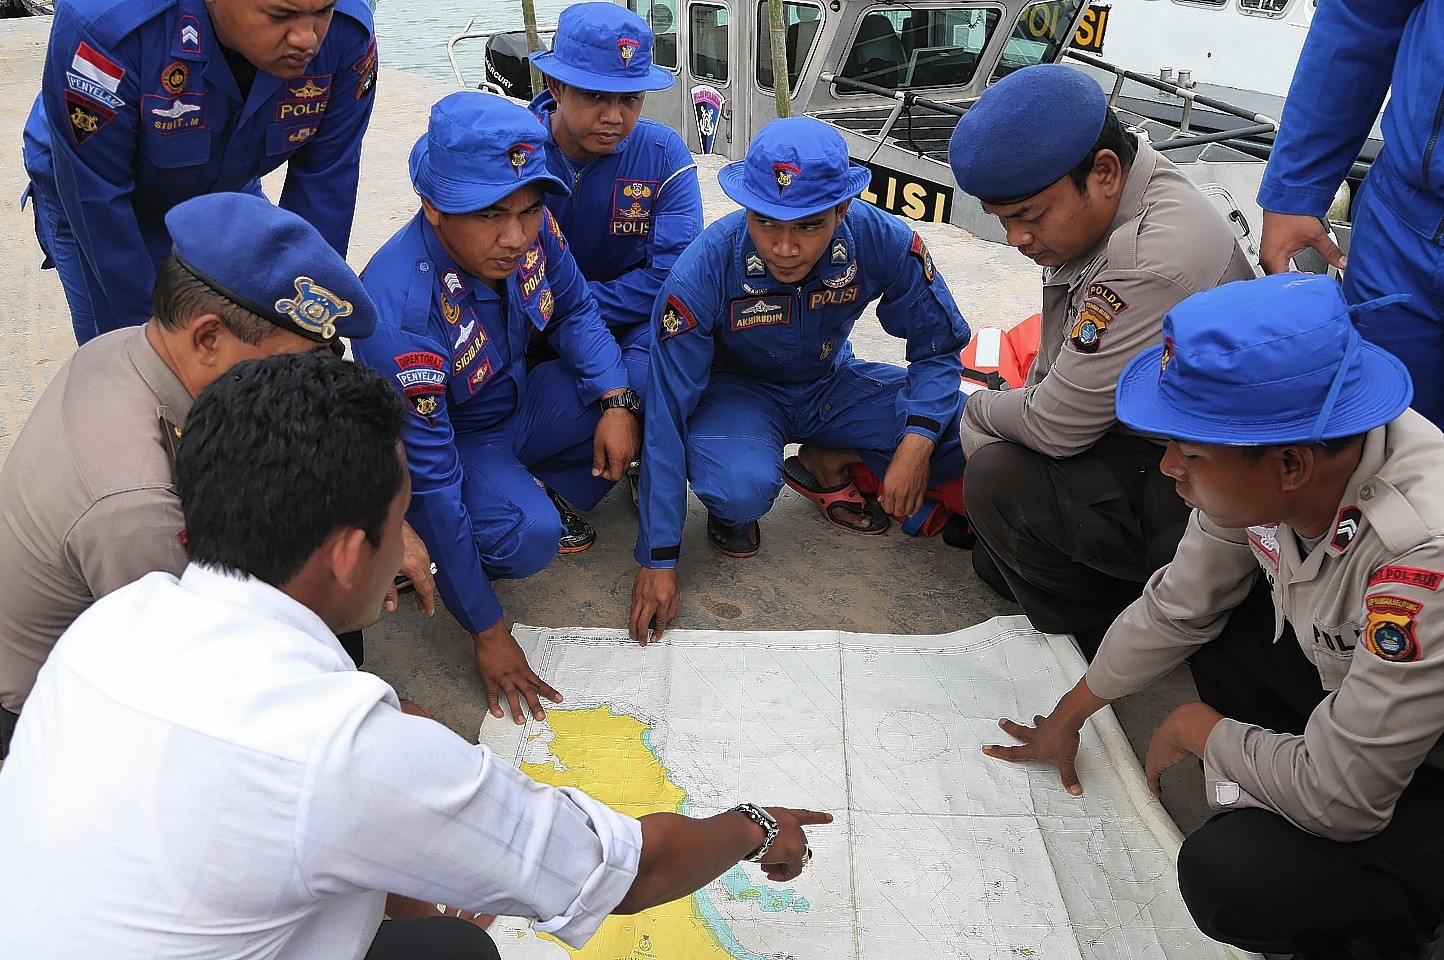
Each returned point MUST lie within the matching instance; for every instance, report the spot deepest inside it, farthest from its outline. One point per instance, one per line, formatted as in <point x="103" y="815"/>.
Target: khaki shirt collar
<point x="1130" y="206"/>
<point x="175" y="401"/>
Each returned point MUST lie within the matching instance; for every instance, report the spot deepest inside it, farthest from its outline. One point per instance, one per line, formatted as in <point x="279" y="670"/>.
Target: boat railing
<point x="1258" y="125"/>
<point x="468" y="34"/>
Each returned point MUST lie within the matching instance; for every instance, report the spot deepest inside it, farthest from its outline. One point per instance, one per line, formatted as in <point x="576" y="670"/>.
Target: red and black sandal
<point x="841" y="505"/>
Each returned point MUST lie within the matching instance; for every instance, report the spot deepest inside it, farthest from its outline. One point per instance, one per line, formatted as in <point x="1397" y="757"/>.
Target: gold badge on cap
<point x="627" y="47"/>
<point x="315" y="308"/>
<point x="1166" y="356"/>
<point x="785" y="174"/>
<point x="519" y="154"/>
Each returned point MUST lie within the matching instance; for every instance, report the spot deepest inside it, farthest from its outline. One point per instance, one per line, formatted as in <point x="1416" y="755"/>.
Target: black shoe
<point x="577" y="534"/>
<point x="740" y="542"/>
<point x="958" y="532"/>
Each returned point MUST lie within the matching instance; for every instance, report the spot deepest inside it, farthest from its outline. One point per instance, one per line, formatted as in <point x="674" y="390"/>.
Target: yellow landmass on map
<point x="603" y="753"/>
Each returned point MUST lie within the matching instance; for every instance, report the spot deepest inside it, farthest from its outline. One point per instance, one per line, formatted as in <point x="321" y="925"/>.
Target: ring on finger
<point x="806" y="853"/>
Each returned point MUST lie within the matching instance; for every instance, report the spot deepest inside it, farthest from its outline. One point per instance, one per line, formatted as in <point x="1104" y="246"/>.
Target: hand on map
<point x="416" y="564"/>
<point x="1182" y="734"/>
<point x="505" y="672"/>
<point x="789" y="852"/>
<point x="1286" y="235"/>
<point x="1055" y="737"/>
<point x="654" y="603"/>
<point x="907" y="477"/>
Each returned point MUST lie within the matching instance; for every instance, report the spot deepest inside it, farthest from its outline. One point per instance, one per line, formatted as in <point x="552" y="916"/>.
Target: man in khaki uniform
<point x="87" y="503"/>
<point x="1317" y="492"/>
<point x="1067" y="504"/>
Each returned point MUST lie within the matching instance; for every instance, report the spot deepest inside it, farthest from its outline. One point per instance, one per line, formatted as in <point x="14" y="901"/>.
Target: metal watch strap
<point x="628" y="400"/>
<point x="763" y="819"/>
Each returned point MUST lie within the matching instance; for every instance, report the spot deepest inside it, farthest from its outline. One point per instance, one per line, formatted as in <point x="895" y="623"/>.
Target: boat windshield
<point x="801" y="21"/>
<point x="1042" y="30"/>
<point x="908" y="49"/>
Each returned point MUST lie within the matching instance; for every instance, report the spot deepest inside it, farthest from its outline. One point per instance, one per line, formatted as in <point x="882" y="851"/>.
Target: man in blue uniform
<point x="1356" y="52"/>
<point x="751" y="353"/>
<point x="460" y="292"/>
<point x="146" y="104"/>
<point x="635" y="202"/>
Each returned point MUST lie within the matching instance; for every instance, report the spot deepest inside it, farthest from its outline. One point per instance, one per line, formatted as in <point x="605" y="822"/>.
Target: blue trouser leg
<point x="514" y="524"/>
<point x="734" y="447"/>
<point x="857" y="407"/>
<point x="62" y="252"/>
<point x="1386" y="256"/>
<point x="552" y="434"/>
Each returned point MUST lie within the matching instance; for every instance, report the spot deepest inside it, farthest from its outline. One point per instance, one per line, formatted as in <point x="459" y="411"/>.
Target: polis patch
<point x="676" y="318"/>
<point x="533" y="271"/>
<point x="86" y="118"/>
<point x="1389" y="632"/>
<point x="920" y="250"/>
<point x="1409" y="576"/>
<point x="761" y="312"/>
<point x="167" y="116"/>
<point x="833" y="298"/>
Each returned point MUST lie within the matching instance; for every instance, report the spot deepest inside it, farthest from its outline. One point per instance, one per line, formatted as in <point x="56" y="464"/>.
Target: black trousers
<point x="1069" y="539"/>
<point x="7" y="730"/>
<point x="431" y="938"/>
<point x="1252" y="879"/>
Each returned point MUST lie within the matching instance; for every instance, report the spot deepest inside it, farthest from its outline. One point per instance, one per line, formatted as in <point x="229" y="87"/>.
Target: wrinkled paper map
<point x="936" y="852"/>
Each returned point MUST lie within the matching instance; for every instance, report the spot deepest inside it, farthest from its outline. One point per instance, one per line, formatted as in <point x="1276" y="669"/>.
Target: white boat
<point x="1204" y="79"/>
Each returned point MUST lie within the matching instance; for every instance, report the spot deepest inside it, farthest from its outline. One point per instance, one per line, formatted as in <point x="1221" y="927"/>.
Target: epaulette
<point x="110" y="20"/>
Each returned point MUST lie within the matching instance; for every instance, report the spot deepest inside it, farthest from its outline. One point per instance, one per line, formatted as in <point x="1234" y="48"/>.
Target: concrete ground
<point x="809" y="575"/>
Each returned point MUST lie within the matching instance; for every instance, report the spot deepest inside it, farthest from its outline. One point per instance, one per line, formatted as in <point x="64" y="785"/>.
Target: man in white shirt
<point x="200" y="771"/>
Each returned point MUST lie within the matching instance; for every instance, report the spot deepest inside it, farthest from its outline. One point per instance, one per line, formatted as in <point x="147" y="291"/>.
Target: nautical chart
<point x="936" y="851"/>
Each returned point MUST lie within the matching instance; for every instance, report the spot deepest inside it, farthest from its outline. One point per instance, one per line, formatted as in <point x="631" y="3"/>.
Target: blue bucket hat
<point x="602" y="46"/>
<point x="272" y="263"/>
<point x="795" y="167"/>
<point x="477" y="150"/>
<point x="1257" y="362"/>
<point x="1003" y="150"/>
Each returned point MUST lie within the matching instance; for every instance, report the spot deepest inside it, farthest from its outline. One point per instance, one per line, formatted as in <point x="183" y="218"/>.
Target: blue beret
<point x="602" y="46"/>
<point x="1258" y="362"/>
<point x="794" y="168"/>
<point x="478" y="150"/>
<point x="271" y="262"/>
<point x="1026" y="132"/>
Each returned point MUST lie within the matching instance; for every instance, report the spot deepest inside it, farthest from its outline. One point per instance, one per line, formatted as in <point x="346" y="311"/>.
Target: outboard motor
<point x="507" y="65"/>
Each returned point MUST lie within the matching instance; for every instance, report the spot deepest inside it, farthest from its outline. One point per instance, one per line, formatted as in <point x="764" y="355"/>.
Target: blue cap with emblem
<point x="1026" y="132"/>
<point x="795" y="167"/>
<point x="272" y="263"/>
<point x="479" y="149"/>
<point x="1257" y="362"/>
<point x="602" y="46"/>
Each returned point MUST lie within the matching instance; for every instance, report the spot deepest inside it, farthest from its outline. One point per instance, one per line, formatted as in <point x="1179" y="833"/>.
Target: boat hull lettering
<point x="908" y="196"/>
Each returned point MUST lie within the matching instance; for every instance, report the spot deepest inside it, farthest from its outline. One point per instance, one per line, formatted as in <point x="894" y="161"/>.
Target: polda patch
<point x="1389" y="633"/>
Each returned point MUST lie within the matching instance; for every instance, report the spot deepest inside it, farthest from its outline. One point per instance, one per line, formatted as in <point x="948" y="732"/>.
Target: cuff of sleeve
<point x="1303" y="201"/>
<point x="1224" y="751"/>
<point x="592" y="390"/>
<point x="481" y="614"/>
<point x="604" y="888"/>
<point x="923" y="427"/>
<point x="657" y="558"/>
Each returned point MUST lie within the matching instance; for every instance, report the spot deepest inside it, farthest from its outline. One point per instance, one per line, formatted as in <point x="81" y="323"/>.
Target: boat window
<point x="905" y="49"/>
<point x="707" y="39"/>
<point x="661" y="15"/>
<point x="1263" y="8"/>
<point x="1043" y="28"/>
<point x="802" y="21"/>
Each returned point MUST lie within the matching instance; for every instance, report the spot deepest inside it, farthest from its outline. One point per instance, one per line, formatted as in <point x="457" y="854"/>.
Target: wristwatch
<point x="626" y="400"/>
<point x="764" y="820"/>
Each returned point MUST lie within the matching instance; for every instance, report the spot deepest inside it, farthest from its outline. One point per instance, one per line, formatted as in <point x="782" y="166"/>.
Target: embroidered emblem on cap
<point x="173" y="80"/>
<point x="785" y="174"/>
<point x="627" y="47"/>
<point x="1166" y="356"/>
<point x="1389" y="632"/>
<point x="519" y="154"/>
<point x="315" y="309"/>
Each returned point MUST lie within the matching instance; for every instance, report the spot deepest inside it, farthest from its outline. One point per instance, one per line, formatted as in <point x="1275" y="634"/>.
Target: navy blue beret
<point x="271" y="262"/>
<point x="1026" y="132"/>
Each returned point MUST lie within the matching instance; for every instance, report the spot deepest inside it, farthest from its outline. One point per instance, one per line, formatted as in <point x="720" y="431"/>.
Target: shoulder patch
<point x="1346" y="527"/>
<point x="1389" y="632"/>
<point x="676" y="318"/>
<point x="366" y="71"/>
<point x="86" y="118"/>
<point x="554" y="228"/>
<point x="1087" y="333"/>
<point x="422" y="377"/>
<point x="1411" y="576"/>
<point x="1104" y="293"/>
<point x="919" y="249"/>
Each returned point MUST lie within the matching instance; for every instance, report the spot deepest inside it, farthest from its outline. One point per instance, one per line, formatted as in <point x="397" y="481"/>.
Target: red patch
<point x="421" y="358"/>
<point x="480" y="375"/>
<point x="366" y="71"/>
<point x="920" y="250"/>
<point x="1411" y="576"/>
<point x="676" y="318"/>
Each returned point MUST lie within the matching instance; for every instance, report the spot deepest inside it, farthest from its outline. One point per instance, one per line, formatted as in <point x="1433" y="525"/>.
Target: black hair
<point x="1114" y="136"/>
<point x="180" y="296"/>
<point x="1332" y="447"/>
<point x="279" y="453"/>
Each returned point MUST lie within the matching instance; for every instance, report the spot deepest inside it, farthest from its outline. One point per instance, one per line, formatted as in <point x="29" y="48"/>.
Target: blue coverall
<point x="630" y="215"/>
<point x="1356" y="51"/>
<point x="139" y="110"/>
<point x="483" y="426"/>
<point x="743" y="364"/>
